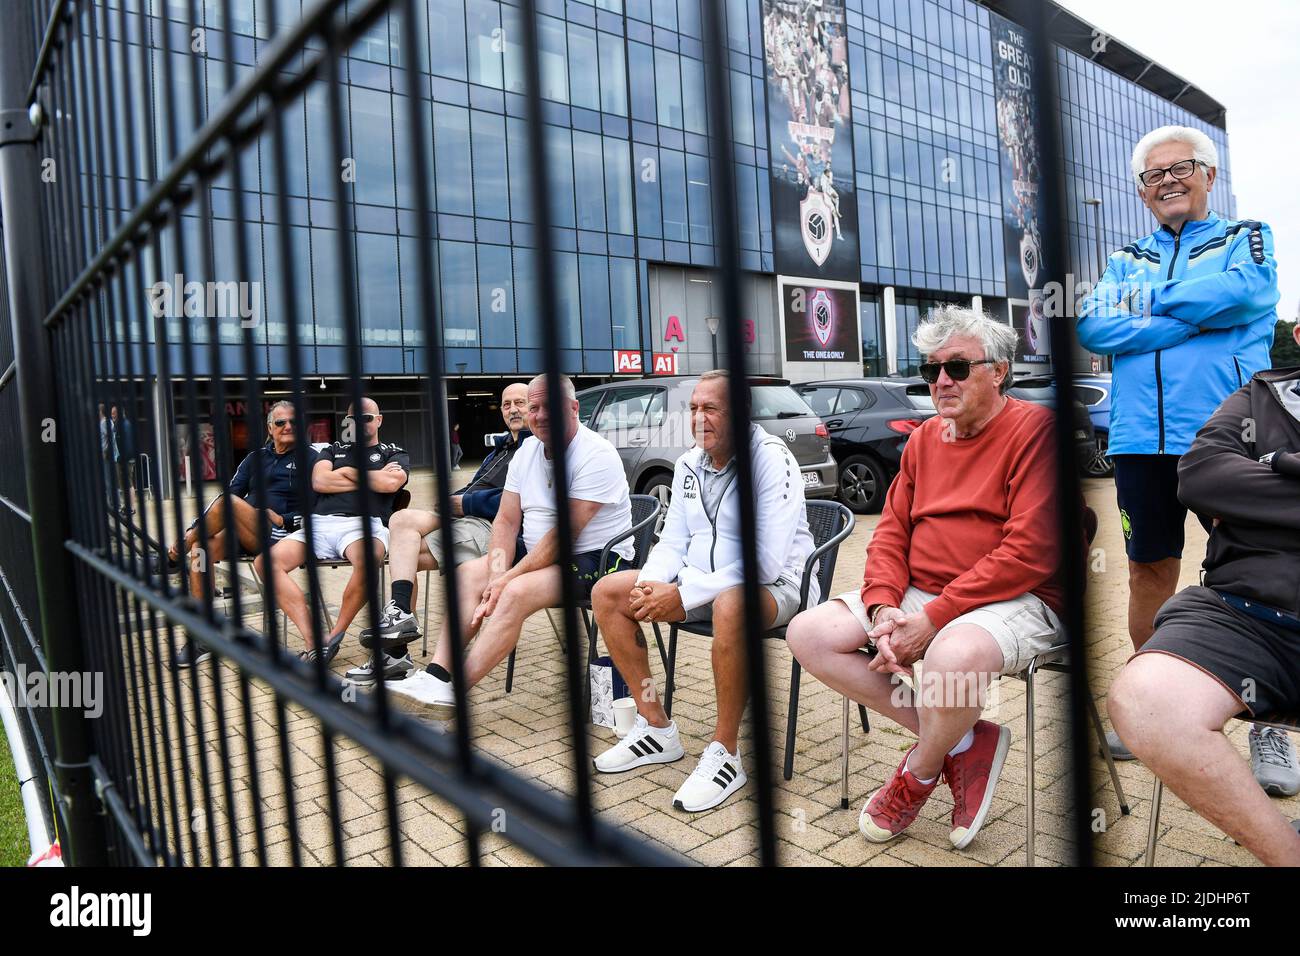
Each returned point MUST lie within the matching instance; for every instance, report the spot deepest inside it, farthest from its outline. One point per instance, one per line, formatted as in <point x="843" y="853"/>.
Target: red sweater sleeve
<point x="1026" y="557"/>
<point x="887" y="575"/>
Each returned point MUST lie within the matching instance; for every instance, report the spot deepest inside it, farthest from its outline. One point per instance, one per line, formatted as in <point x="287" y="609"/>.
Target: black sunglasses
<point x="958" y="369"/>
<point x="281" y="422"/>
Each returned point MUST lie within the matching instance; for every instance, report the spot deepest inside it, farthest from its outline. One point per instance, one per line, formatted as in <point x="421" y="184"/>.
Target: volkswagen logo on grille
<point x="789" y="435"/>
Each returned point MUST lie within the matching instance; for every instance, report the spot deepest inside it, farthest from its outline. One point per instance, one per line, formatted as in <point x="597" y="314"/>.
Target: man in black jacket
<point x="1230" y="648"/>
<point x="416" y="541"/>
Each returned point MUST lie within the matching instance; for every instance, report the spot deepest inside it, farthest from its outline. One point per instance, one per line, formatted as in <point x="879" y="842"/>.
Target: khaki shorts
<point x="785" y="592"/>
<point x="1023" y="627"/>
<point x="470" y="537"/>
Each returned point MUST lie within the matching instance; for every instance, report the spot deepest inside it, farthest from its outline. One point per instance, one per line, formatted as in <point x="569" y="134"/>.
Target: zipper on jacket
<point x="1160" y="385"/>
<point x="1237" y="366"/>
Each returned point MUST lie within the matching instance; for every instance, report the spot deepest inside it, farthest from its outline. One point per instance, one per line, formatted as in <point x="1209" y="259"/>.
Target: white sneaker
<point x="423" y="694"/>
<point x="717" y="777"/>
<point x="642" y="745"/>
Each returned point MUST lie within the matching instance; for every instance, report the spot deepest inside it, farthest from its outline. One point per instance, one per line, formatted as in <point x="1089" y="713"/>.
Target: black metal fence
<point x="206" y="766"/>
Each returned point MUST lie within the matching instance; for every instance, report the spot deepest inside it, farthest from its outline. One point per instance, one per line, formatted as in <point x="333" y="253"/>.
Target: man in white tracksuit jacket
<point x="695" y="574"/>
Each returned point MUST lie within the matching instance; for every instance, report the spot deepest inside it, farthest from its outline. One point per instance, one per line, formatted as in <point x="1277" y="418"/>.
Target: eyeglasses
<point x="368" y="417"/>
<point x="1179" y="170"/>
<point x="958" y="369"/>
<point x="281" y="422"/>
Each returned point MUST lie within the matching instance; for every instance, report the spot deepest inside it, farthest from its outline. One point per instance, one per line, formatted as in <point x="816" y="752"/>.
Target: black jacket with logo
<point x="1244" y="469"/>
<point x="349" y="502"/>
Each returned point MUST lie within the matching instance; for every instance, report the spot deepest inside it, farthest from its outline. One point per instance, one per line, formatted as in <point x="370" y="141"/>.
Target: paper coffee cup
<point x="624" y="715"/>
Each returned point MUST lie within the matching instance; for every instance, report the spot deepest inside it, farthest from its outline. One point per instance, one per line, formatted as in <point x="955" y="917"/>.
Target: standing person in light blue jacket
<point x="1188" y="312"/>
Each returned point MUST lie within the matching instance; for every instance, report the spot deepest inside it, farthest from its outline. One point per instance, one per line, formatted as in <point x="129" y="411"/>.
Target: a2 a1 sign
<point x="664" y="363"/>
<point x="627" y="361"/>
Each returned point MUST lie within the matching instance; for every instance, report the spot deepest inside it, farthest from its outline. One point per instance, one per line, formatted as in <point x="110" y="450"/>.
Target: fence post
<point x="60" y="628"/>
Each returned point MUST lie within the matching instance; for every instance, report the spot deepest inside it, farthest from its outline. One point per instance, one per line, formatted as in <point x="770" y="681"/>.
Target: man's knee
<point x="801" y="634"/>
<point x="612" y="592"/>
<point x="412" y="519"/>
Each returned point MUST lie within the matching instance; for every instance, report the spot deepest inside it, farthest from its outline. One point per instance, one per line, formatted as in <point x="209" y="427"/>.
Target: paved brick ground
<point x="525" y="731"/>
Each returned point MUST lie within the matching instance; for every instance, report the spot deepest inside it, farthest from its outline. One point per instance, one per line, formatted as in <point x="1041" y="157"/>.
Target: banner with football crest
<point x="810" y="129"/>
<point x="819" y="318"/>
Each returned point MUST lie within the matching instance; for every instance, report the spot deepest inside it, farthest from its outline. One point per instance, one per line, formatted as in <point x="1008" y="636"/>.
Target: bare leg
<point x="406" y="531"/>
<point x="1149" y="586"/>
<point x="961" y="662"/>
<point x="524" y="596"/>
<point x="828" y="642"/>
<point x="471" y="580"/>
<point x="1172" y="715"/>
<point x="626" y="642"/>
<point x="730" y="679"/>
<point x="354" y="594"/>
<point x="286" y="557"/>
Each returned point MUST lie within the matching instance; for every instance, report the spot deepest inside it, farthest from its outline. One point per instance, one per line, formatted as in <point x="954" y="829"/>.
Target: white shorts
<point x="332" y="534"/>
<point x="1023" y="627"/>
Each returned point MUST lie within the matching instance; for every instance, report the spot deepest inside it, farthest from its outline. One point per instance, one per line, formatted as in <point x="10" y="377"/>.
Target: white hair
<point x="566" y="385"/>
<point x="1203" y="148"/>
<point x="282" y="403"/>
<point x="948" y="321"/>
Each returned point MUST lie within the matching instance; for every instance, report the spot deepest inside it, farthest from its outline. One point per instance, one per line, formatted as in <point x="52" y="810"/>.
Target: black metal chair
<point x="1286" y="722"/>
<point x="645" y="511"/>
<point x="830" y="523"/>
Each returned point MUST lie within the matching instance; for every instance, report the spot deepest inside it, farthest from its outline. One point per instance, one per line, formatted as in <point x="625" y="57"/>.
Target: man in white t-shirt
<point x="519" y="575"/>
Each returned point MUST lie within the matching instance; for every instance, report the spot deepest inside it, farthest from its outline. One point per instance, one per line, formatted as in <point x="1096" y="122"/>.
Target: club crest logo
<point x="374" y="456"/>
<point x="821" y="315"/>
<point x="815" y="224"/>
<point x="1029" y="259"/>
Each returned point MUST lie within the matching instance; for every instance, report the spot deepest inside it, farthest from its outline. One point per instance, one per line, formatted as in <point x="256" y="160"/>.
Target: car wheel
<point x="661" y="486"/>
<point x="1101" y="465"/>
<point x="863" y="484"/>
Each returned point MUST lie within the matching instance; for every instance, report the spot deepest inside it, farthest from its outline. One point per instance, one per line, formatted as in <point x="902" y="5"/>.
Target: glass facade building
<point x="627" y="149"/>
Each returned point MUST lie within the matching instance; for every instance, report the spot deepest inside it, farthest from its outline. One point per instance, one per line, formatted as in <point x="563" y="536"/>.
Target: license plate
<point x="811" y="478"/>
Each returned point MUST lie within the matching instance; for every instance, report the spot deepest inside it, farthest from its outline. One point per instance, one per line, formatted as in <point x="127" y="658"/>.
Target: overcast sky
<point x="1245" y="54"/>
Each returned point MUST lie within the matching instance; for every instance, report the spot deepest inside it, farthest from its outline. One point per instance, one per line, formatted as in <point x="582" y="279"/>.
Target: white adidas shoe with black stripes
<point x="642" y="745"/>
<point x="717" y="777"/>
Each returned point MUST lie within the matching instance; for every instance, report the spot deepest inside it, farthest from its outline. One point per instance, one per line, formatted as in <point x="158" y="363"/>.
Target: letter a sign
<point x="627" y="361"/>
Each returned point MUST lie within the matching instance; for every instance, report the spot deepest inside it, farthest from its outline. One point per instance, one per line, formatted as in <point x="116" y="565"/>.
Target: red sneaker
<point x="891" y="809"/>
<point x="973" y="776"/>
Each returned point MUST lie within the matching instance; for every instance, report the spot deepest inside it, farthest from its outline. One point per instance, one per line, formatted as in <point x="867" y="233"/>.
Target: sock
<point x="908" y="767"/>
<point x="402" y="595"/>
<point x="440" y="672"/>
<point x="964" y="744"/>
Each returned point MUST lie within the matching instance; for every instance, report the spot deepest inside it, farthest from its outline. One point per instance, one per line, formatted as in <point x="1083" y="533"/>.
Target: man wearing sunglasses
<point x="960" y="574"/>
<point x="338" y="529"/>
<point x="1188" y="312"/>
<point x="278" y="501"/>
<point x="416" y="542"/>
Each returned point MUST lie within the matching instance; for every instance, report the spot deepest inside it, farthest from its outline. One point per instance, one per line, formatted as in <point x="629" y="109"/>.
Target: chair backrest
<point x="644" y="509"/>
<point x="826" y="519"/>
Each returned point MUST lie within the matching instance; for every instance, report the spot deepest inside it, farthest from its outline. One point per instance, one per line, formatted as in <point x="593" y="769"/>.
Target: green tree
<point x="1286" y="353"/>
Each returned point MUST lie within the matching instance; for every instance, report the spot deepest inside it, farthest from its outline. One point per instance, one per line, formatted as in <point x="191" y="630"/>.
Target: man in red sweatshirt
<point x="959" y="575"/>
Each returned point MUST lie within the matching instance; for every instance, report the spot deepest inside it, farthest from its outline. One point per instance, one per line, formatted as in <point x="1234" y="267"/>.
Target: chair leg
<point x="1110" y="760"/>
<point x="1030" y="819"/>
<point x="792" y="717"/>
<point x="672" y="669"/>
<point x="844" y="758"/>
<point x="1153" y="829"/>
<point x="424" y="641"/>
<point x="510" y="672"/>
<point x="866" y="725"/>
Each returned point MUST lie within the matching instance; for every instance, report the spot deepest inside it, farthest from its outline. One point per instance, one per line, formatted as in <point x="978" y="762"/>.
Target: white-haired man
<point x="695" y="574"/>
<point x="960" y="574"/>
<point x="1188" y="312"/>
<point x="520" y="574"/>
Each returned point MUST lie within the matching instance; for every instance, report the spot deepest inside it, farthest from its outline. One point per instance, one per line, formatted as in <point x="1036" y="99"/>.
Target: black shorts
<point x="585" y="567"/>
<point x="1150" y="513"/>
<point x="1256" y="661"/>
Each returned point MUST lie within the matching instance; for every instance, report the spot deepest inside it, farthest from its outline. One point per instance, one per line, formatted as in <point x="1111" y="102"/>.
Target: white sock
<point x="964" y="744"/>
<point x="908" y="767"/>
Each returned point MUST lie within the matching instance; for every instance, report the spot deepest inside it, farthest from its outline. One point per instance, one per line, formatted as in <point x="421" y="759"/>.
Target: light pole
<point x="712" y="322"/>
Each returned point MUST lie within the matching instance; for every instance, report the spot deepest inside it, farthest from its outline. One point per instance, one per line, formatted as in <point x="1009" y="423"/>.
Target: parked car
<point x="1094" y="392"/>
<point x="648" y="421"/>
<point x="869" y="420"/>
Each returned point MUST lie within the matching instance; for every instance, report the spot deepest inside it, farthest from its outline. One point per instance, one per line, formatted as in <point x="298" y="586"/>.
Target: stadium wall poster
<point x="1014" y="74"/>
<point x="810" y="134"/>
<point x="819" y="320"/>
